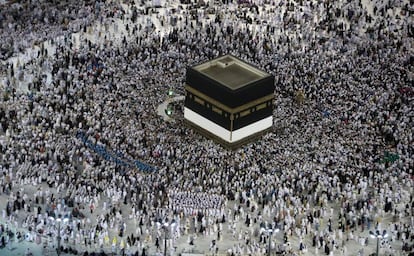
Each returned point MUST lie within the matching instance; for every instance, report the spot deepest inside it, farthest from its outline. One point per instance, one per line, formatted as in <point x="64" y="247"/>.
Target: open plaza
<point x="97" y="157"/>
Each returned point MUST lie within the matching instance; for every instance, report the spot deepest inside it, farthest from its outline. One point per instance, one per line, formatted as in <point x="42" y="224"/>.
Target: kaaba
<point x="229" y="100"/>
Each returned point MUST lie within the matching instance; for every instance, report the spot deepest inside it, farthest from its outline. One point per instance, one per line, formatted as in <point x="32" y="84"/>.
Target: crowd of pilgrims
<point x="321" y="176"/>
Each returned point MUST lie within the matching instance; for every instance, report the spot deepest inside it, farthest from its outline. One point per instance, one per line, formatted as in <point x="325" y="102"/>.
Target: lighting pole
<point x="59" y="220"/>
<point x="165" y="225"/>
<point x="378" y="235"/>
<point x="269" y="230"/>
